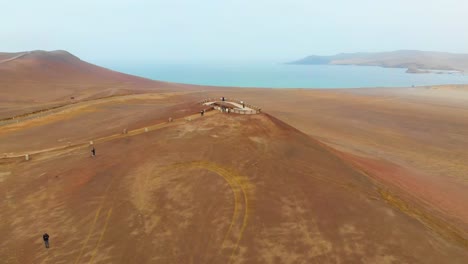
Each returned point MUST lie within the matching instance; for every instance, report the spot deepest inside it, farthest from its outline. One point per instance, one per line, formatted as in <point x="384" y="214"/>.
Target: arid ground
<point x="321" y="176"/>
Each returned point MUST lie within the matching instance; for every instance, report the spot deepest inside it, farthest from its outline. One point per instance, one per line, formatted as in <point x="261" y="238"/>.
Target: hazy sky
<point x="192" y="31"/>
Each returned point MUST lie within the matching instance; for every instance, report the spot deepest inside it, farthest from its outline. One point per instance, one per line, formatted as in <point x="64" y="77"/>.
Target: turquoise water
<point x="289" y="76"/>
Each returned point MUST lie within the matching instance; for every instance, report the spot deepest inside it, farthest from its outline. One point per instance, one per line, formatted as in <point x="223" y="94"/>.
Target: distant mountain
<point x="38" y="79"/>
<point x="413" y="60"/>
<point x="60" y="65"/>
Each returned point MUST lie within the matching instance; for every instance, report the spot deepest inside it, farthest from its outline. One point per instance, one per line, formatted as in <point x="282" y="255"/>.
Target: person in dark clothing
<point x="243" y="105"/>
<point x="202" y="112"/>
<point x="223" y="98"/>
<point x="46" y="240"/>
<point x="93" y="152"/>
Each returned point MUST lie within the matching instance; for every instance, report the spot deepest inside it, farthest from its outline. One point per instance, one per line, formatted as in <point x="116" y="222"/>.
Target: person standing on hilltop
<point x="93" y="152"/>
<point x="46" y="240"/>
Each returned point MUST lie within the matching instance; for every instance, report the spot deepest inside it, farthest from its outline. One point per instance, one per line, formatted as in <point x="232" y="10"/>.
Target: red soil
<point x="24" y="80"/>
<point x="219" y="189"/>
<point x="377" y="177"/>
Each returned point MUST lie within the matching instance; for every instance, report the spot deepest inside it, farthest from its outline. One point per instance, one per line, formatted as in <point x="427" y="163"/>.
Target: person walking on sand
<point x="46" y="240"/>
<point x="93" y="152"/>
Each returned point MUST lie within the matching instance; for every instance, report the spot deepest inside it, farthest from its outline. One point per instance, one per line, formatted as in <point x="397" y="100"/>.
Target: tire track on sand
<point x="93" y="225"/>
<point x="109" y="213"/>
<point x="242" y="191"/>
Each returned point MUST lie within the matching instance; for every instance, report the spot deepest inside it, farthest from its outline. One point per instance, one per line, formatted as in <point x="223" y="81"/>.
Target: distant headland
<point x="413" y="60"/>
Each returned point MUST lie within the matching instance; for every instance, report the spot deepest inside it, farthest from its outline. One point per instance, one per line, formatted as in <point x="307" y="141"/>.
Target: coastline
<point x="289" y="76"/>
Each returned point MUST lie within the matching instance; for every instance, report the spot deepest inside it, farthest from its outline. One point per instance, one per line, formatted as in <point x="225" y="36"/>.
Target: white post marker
<point x="26" y="157"/>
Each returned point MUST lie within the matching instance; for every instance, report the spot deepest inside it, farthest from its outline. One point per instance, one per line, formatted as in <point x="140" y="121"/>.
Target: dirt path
<point x="67" y="148"/>
<point x="73" y="107"/>
<point x="14" y="58"/>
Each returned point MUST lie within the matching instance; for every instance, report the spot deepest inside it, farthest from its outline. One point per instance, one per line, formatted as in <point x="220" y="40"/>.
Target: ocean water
<point x="289" y="76"/>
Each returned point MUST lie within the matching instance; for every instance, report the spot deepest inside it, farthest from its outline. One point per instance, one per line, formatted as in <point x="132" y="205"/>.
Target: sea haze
<point x="289" y="76"/>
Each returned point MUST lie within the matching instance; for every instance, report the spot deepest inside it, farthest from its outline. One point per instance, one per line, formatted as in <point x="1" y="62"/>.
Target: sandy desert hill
<point x="342" y="176"/>
<point x="414" y="139"/>
<point x="218" y="189"/>
<point x="25" y="76"/>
